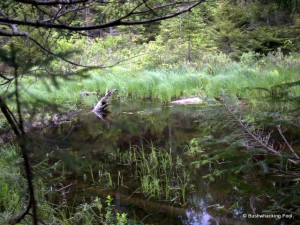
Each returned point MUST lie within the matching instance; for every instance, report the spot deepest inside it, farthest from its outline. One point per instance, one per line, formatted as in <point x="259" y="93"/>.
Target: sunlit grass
<point x="160" y="86"/>
<point x="251" y="83"/>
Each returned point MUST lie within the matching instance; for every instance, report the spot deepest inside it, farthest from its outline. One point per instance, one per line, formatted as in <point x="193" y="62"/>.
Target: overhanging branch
<point x="118" y="22"/>
<point x="13" y="34"/>
<point x="52" y="2"/>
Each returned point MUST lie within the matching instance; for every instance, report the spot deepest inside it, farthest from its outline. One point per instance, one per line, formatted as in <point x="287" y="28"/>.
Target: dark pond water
<point x="210" y="180"/>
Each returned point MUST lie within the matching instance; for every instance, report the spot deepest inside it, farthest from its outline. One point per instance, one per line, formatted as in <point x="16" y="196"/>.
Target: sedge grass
<point x="160" y="85"/>
<point x="156" y="85"/>
<point x="161" y="175"/>
<point x="255" y="85"/>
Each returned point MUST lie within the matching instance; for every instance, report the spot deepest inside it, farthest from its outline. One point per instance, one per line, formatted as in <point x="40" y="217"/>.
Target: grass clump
<point x="161" y="174"/>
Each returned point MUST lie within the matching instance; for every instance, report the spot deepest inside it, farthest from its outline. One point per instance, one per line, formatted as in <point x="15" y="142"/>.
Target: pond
<point x="162" y="164"/>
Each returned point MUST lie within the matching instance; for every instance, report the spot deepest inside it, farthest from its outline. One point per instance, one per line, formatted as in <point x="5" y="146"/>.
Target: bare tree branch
<point x="287" y="143"/>
<point x="261" y="139"/>
<point x="114" y="23"/>
<point x="52" y="2"/>
<point x="18" y="128"/>
<point x="52" y="18"/>
<point x="13" y="34"/>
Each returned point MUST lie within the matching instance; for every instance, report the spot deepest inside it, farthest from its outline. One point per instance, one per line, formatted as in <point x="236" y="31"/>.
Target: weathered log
<point x="103" y="103"/>
<point x="222" y="216"/>
<point x="188" y="101"/>
<point x="142" y="203"/>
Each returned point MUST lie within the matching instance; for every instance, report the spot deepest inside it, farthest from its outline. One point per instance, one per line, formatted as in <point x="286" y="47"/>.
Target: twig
<point x="114" y="23"/>
<point x="260" y="141"/>
<point x="286" y="142"/>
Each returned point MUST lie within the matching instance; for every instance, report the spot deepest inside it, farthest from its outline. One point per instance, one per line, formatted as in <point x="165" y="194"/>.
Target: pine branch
<point x="258" y="136"/>
<point x="286" y="142"/>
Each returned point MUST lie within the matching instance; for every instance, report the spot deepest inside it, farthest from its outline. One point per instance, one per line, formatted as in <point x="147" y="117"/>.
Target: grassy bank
<point x="237" y="79"/>
<point x="253" y="80"/>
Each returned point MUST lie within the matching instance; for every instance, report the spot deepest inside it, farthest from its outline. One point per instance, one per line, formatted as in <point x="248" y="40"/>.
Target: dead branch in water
<point x="262" y="138"/>
<point x="103" y="103"/>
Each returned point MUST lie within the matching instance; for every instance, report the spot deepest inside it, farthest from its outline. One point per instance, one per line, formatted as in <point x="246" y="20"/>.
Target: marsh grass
<point x="13" y="187"/>
<point x="161" y="174"/>
<point x="94" y="212"/>
<point x="163" y="86"/>
<point x="250" y="83"/>
<point x="156" y="85"/>
<point x="252" y="79"/>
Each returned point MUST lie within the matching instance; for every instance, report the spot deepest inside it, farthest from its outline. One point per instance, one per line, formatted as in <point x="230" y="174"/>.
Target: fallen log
<point x="214" y="215"/>
<point x="188" y="101"/>
<point x="103" y="103"/>
<point x="142" y="203"/>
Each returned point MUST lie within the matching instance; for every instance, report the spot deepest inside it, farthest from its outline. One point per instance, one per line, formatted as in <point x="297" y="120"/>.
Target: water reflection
<point x="89" y="145"/>
<point x="196" y="218"/>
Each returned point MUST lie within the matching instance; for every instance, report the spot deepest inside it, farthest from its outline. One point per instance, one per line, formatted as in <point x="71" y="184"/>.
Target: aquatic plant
<point x="161" y="174"/>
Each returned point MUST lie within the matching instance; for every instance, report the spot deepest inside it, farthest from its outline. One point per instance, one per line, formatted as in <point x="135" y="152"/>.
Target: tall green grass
<point x="251" y="83"/>
<point x="160" y="86"/>
<point x="251" y="79"/>
<point x="161" y="175"/>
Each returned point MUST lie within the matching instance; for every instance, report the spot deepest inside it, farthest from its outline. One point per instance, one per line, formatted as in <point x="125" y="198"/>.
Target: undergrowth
<point x="50" y="197"/>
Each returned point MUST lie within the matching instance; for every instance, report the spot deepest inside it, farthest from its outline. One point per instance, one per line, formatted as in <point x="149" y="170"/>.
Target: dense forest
<point x="199" y="123"/>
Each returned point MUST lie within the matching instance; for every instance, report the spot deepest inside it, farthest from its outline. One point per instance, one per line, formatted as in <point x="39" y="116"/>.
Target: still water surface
<point x="91" y="148"/>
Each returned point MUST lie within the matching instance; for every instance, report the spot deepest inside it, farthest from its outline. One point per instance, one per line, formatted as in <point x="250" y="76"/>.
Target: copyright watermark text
<point x="268" y="216"/>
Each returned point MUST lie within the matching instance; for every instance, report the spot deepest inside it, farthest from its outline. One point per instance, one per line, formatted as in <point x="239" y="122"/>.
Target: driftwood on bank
<point x="103" y="103"/>
<point x="188" y="101"/>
